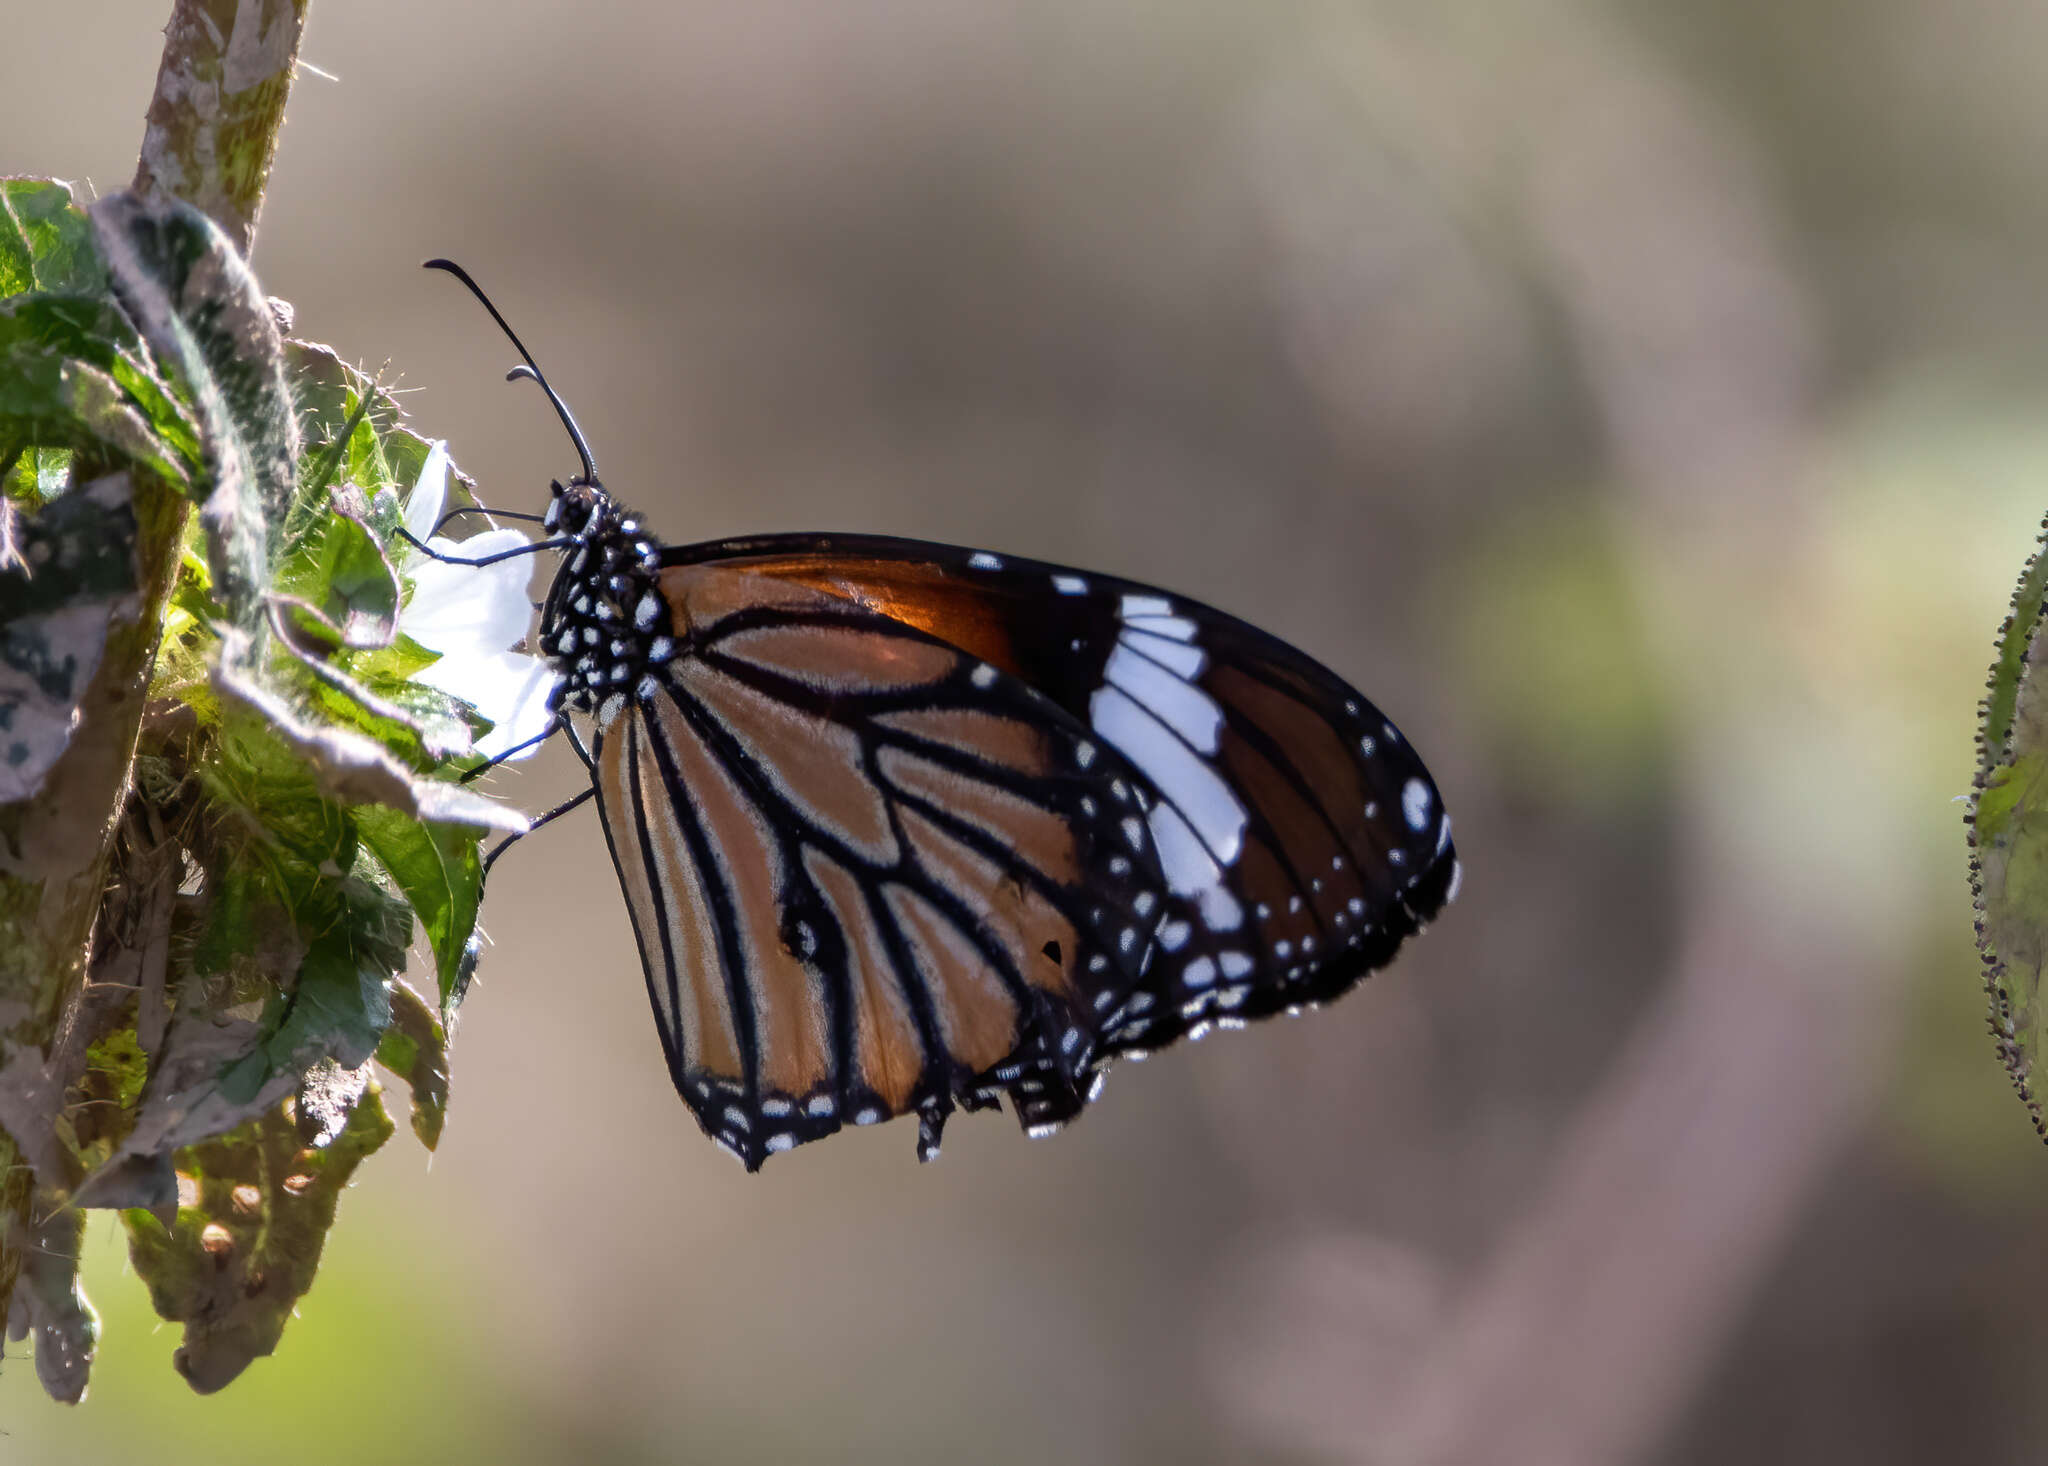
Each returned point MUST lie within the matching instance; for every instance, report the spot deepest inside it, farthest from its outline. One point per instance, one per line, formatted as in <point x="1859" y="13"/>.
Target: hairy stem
<point x="211" y="134"/>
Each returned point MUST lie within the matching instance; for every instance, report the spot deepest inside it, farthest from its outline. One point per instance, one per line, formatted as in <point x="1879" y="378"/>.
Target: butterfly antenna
<point x="531" y="369"/>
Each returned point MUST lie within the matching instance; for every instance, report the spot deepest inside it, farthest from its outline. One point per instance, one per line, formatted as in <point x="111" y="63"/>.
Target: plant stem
<point x="213" y="124"/>
<point x="211" y="134"/>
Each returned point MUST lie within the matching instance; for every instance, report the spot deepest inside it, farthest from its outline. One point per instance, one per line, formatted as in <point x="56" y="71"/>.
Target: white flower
<point x="473" y="615"/>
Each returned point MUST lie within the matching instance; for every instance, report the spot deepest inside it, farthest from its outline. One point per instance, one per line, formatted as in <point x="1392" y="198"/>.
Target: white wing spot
<point x="1415" y="803"/>
<point x="1070" y="585"/>
<point x="983" y="560"/>
<point x="984" y="675"/>
<point x="1199" y="973"/>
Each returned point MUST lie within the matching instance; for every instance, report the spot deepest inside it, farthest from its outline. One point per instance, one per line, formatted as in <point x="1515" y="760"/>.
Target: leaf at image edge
<point x="2008" y="821"/>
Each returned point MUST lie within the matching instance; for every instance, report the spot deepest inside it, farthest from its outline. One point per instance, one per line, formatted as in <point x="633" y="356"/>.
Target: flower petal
<point x="526" y="716"/>
<point x="429" y="493"/>
<point x="509" y="688"/>
<point x="471" y="608"/>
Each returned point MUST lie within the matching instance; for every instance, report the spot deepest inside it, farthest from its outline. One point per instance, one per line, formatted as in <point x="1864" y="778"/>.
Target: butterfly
<point x="904" y="828"/>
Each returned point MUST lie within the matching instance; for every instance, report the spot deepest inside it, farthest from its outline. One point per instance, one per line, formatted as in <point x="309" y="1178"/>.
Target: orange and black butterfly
<point x="905" y="828"/>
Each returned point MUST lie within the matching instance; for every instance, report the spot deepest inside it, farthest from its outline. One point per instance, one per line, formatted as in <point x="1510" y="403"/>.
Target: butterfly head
<point x="578" y="509"/>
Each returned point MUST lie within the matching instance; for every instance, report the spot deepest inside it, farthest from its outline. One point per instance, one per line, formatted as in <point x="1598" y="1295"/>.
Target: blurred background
<point x="1642" y="403"/>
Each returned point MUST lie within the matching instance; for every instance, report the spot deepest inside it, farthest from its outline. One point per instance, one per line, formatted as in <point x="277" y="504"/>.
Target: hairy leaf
<point x="2009" y="836"/>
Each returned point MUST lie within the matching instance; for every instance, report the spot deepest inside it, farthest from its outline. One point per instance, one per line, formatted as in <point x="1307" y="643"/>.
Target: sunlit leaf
<point x="415" y="1048"/>
<point x="439" y="868"/>
<point x="46" y="241"/>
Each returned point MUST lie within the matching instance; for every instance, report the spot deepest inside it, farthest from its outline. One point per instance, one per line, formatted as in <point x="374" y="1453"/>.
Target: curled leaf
<point x="351" y="767"/>
<point x="415" y="1048"/>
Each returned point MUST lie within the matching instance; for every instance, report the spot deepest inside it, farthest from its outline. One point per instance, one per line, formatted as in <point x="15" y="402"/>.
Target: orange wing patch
<point x="888" y="1056"/>
<point x="665" y="895"/>
<point x="814" y="760"/>
<point x="789" y="1039"/>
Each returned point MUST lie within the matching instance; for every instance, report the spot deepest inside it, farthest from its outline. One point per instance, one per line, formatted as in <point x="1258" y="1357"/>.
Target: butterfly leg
<point x="531" y="547"/>
<point x="554" y="814"/>
<point x="576" y="742"/>
<point x="442" y="522"/>
<point x="554" y="727"/>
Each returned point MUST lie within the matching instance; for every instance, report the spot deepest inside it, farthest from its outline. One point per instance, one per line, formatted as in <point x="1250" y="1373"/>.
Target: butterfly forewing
<point x="870" y="872"/>
<point x="1299" y="839"/>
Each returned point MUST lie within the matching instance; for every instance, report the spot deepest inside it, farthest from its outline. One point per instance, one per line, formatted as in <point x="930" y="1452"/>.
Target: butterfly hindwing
<point x="870" y="873"/>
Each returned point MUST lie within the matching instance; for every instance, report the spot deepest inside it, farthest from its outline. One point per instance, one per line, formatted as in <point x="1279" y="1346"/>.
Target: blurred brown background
<point x="1643" y="403"/>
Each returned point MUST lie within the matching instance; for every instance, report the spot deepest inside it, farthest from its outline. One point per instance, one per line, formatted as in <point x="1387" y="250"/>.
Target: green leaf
<point x="46" y="242"/>
<point x="57" y="401"/>
<point x="415" y="1048"/>
<point x="255" y="1209"/>
<point x="36" y="474"/>
<point x="2009" y="836"/>
<point x="362" y="588"/>
<point x="92" y="330"/>
<point x="356" y="769"/>
<point x="440" y="870"/>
